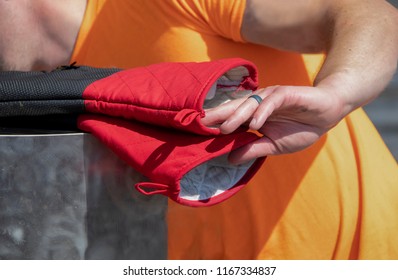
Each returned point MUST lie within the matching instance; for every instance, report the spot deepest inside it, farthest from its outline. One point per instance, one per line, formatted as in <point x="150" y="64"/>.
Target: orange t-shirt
<point x="337" y="199"/>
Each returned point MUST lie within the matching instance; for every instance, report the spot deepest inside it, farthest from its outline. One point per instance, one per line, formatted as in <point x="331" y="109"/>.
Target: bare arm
<point x="360" y="39"/>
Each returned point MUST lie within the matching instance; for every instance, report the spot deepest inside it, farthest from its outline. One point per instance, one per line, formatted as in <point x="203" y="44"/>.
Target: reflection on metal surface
<point x="66" y="196"/>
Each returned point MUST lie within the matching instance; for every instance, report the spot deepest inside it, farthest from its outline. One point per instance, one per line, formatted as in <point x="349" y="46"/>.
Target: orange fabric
<point x="335" y="200"/>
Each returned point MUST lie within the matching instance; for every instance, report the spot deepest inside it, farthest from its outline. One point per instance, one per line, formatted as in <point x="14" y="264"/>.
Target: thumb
<point x="259" y="148"/>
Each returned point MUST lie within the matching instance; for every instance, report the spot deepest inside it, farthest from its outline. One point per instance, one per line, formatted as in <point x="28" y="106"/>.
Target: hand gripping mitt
<point x="149" y="116"/>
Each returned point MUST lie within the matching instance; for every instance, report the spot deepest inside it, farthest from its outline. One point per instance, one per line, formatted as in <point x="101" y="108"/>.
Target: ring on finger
<point x="256" y="97"/>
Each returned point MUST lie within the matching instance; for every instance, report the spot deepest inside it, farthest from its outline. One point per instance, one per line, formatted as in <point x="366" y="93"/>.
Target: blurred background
<point x="384" y="111"/>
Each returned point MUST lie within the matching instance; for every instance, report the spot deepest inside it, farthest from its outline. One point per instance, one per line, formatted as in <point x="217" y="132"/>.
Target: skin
<point x="35" y="37"/>
<point x="360" y="38"/>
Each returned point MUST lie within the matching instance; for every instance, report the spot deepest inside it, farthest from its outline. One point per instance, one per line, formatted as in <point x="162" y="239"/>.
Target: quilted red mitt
<point x="190" y="169"/>
<point x="181" y="159"/>
<point x="169" y="94"/>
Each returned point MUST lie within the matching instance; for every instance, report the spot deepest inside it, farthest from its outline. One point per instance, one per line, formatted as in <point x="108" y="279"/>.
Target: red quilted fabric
<point x="164" y="155"/>
<point x="150" y="117"/>
<point x="165" y="94"/>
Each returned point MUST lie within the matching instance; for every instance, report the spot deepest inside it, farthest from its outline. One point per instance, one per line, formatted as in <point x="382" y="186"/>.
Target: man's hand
<point x="290" y="118"/>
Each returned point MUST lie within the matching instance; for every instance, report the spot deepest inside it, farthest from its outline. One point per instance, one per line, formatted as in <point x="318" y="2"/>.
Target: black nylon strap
<point x="46" y="100"/>
<point x="47" y="93"/>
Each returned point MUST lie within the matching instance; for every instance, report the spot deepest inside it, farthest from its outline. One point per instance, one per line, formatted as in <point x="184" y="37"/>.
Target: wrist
<point x="343" y="91"/>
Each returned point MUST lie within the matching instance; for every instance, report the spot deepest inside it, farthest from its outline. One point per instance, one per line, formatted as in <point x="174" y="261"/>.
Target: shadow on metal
<point x="65" y="196"/>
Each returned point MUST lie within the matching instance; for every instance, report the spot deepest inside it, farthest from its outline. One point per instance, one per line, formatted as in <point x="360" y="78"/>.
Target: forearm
<point x="360" y="38"/>
<point x="362" y="52"/>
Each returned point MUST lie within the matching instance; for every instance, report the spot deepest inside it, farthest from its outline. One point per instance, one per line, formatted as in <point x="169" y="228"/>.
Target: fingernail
<point x="253" y="122"/>
<point x="232" y="160"/>
<point x="224" y="124"/>
<point x="235" y="161"/>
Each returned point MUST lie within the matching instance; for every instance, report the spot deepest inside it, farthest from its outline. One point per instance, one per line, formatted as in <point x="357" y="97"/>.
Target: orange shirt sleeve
<point x="223" y="17"/>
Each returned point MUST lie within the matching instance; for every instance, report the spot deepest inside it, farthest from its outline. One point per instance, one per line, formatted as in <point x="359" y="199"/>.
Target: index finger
<point x="217" y="115"/>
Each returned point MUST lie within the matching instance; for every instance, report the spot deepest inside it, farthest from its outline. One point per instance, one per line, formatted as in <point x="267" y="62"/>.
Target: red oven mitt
<point x="168" y="94"/>
<point x="191" y="169"/>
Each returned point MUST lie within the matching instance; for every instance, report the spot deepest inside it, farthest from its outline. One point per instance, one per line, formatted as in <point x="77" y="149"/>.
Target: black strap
<point x="46" y="100"/>
<point x="47" y="93"/>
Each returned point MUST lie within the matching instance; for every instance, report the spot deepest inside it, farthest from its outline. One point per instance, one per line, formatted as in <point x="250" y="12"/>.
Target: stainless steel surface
<point x="66" y="196"/>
